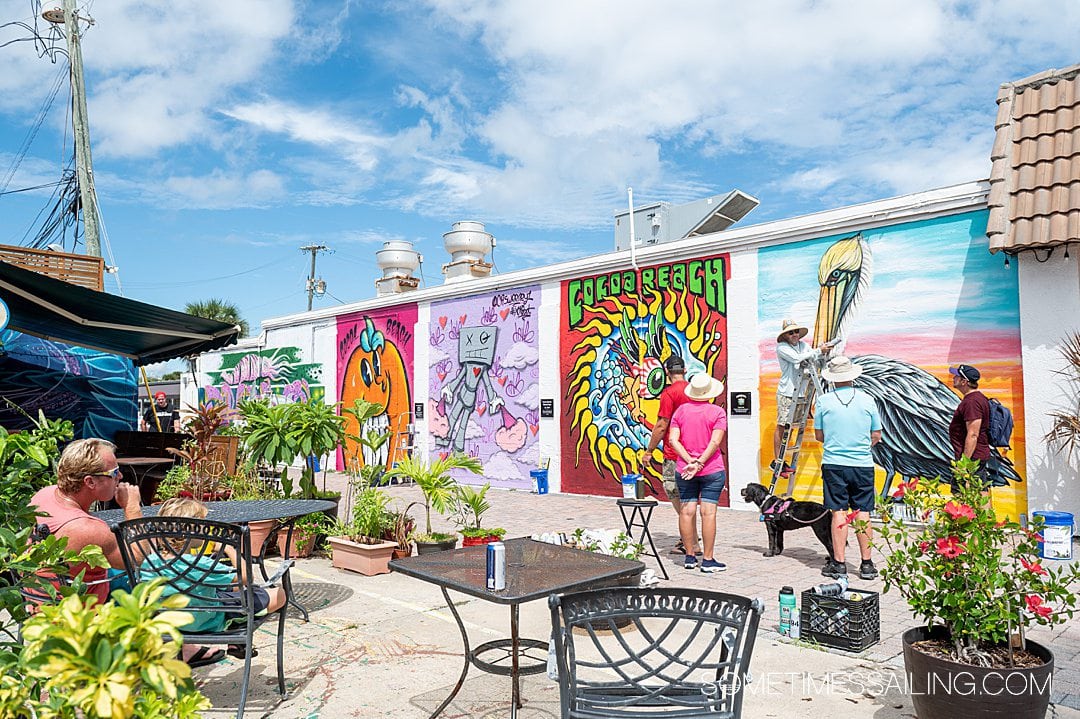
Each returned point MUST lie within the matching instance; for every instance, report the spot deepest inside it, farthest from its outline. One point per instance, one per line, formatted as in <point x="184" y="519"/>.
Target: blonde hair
<point x="187" y="508"/>
<point x="80" y="458"/>
<point x="183" y="507"/>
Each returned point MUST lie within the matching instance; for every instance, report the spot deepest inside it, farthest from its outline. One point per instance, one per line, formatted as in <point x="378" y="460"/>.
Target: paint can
<point x="629" y="485"/>
<point x="1057" y="534"/>
<point x="539" y="480"/>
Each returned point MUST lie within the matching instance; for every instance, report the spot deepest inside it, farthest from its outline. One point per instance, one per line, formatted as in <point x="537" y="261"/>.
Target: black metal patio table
<point x="245" y="511"/>
<point x="534" y="570"/>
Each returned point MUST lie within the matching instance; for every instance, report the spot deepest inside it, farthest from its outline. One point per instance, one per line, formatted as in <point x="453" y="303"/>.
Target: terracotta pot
<point x="302" y="545"/>
<point x="944" y="689"/>
<point x="260" y="532"/>
<point x="366" y="559"/>
<point x="402" y="553"/>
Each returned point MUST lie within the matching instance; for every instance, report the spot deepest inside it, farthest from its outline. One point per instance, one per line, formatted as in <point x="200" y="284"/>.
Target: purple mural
<point x="483" y="383"/>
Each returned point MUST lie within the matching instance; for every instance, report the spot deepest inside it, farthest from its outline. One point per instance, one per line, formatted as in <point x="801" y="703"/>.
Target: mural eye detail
<point x="365" y="372"/>
<point x="655" y="382"/>
<point x="376" y="363"/>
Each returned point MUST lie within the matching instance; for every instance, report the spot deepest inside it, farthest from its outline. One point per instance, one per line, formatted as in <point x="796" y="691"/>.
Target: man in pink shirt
<point x="697" y="430"/>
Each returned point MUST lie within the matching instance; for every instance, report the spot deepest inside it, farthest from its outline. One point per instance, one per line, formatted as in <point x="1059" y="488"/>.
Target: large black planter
<point x="943" y="689"/>
<point x="430" y="547"/>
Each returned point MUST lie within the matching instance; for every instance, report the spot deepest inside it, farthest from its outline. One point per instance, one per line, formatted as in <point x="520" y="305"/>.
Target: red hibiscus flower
<point x="923" y="546"/>
<point x="850" y="517"/>
<point x="950" y="547"/>
<point x="1033" y="567"/>
<point x="1035" y="606"/>
<point x="959" y="512"/>
<point x="903" y="488"/>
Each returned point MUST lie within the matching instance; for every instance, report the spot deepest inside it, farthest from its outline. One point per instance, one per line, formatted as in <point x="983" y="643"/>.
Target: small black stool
<point x="638" y="518"/>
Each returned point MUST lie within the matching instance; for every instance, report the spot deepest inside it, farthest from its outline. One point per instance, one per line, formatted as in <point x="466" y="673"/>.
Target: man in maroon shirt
<point x="969" y="430"/>
<point x="670" y="400"/>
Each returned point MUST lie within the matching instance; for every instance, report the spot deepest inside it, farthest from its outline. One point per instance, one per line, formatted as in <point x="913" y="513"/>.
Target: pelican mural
<point x="915" y="406"/>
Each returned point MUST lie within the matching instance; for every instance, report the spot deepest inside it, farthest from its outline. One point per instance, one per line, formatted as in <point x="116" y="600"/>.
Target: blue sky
<point x="228" y="134"/>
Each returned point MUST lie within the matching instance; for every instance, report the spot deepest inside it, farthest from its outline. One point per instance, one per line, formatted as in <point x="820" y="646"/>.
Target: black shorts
<point x="848" y="487"/>
<point x="262" y="602"/>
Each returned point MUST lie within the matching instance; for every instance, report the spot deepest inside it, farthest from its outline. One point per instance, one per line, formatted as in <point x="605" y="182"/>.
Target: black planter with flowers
<point x="979" y="583"/>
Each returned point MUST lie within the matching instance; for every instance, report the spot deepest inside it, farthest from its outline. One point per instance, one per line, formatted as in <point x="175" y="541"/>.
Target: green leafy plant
<point x="106" y="662"/>
<point x="470" y="505"/>
<point x="176" y="479"/>
<point x="1064" y="431"/>
<point x="316" y="431"/>
<point x="614" y="544"/>
<point x="28" y="463"/>
<point x="247" y="484"/>
<point x="401" y="528"/>
<point x="434" y="480"/>
<point x="360" y="465"/>
<point x="964" y="568"/>
<point x="370" y="518"/>
<point x="199" y="453"/>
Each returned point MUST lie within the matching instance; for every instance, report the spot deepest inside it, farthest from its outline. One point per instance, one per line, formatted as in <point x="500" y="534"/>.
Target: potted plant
<point x="439" y="489"/>
<point x="471" y="504"/>
<point x="401" y="531"/>
<point x="305" y="535"/>
<point x="316" y="431"/>
<point x="978" y="583"/>
<point x="358" y="546"/>
<point x="200" y="455"/>
<point x="248" y="485"/>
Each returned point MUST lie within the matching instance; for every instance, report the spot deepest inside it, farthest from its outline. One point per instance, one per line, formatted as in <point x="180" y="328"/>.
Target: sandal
<point x="204" y="656"/>
<point x="237" y="650"/>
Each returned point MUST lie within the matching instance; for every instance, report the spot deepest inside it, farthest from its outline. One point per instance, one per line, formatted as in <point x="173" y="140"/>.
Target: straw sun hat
<point x="841" y="369"/>
<point x="788" y="326"/>
<point x="702" y="387"/>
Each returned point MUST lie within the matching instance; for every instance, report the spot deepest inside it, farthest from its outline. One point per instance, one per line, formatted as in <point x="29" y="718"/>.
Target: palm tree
<point x="220" y="310"/>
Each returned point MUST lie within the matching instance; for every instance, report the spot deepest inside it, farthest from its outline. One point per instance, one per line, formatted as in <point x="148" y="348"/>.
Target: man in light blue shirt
<point x="848" y="424"/>
<point x="790" y="353"/>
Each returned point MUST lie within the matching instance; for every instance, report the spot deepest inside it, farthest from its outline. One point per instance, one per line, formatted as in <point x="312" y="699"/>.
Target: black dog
<point x="783" y="514"/>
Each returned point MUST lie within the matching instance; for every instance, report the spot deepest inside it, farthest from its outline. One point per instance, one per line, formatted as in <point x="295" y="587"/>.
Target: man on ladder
<point x="794" y="396"/>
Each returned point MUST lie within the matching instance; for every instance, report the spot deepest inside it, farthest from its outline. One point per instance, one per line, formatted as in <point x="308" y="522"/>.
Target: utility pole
<point x="311" y="284"/>
<point x="80" y="122"/>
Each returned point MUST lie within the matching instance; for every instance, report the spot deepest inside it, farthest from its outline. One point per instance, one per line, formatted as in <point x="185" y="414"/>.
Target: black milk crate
<point x="839" y="622"/>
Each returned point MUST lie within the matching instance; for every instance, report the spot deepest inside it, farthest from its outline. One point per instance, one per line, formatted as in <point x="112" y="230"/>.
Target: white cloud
<point x="220" y="190"/>
<point x="520" y="356"/>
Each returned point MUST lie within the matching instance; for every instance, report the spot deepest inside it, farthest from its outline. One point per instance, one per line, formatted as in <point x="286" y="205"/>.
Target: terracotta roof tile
<point x="1034" y="195"/>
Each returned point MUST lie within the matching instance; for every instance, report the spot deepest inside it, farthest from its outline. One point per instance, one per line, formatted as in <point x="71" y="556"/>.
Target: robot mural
<point x="476" y="353"/>
<point x="483" y="383"/>
<point x="617" y="330"/>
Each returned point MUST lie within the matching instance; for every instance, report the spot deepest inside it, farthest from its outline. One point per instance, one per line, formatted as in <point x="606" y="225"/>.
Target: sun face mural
<point x="905" y="321"/>
<point x="374" y="361"/>
<point x="617" y="330"/>
<point x="483" y="383"/>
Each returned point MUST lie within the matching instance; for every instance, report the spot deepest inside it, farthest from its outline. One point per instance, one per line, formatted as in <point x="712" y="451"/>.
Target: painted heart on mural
<point x="442" y="376"/>
<point x="476" y="371"/>
<point x="443" y="455"/>
<point x="502" y="380"/>
<point x="442" y="322"/>
<point x="480" y="409"/>
<point x="504" y="313"/>
<point x="534" y="428"/>
<point x="462" y="318"/>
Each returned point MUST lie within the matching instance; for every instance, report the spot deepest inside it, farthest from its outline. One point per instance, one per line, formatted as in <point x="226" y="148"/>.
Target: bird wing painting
<point x="905" y="303"/>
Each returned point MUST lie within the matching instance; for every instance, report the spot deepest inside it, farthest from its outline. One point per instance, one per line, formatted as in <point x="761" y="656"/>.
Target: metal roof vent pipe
<point x="467" y="244"/>
<point x="397" y="260"/>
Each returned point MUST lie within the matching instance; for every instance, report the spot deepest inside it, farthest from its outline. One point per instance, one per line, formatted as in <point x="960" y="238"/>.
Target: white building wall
<point x="551" y="429"/>
<point x="744" y="438"/>
<point x="1049" y="311"/>
<point x="422" y="375"/>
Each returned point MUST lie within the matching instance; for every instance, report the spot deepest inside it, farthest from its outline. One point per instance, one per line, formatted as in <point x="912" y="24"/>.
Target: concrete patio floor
<point x="387" y="646"/>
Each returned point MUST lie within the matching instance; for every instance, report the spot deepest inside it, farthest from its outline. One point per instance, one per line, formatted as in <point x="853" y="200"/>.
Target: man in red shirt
<point x="969" y="430"/>
<point x="670" y="399"/>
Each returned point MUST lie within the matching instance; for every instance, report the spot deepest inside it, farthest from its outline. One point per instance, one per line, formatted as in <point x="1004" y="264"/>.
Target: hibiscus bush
<point x="962" y="567"/>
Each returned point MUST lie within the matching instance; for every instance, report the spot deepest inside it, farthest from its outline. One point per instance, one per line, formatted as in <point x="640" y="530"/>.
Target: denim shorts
<point x="701" y="488"/>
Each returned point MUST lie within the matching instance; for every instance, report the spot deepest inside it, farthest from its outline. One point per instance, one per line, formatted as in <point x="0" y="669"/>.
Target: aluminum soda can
<point x="496" y="566"/>
<point x="832" y="589"/>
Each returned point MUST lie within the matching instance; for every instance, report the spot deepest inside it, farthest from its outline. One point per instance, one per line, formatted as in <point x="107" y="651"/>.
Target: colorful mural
<point x="95" y="390"/>
<point x="277" y="373"/>
<point x="375" y="363"/>
<point x="483" y="384"/>
<point x="617" y="330"/>
<point x="907" y="302"/>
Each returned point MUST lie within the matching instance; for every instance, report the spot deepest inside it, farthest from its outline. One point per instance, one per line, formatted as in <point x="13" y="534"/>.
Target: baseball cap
<point x="159" y="394"/>
<point x="966" y="371"/>
<point x="674" y="363"/>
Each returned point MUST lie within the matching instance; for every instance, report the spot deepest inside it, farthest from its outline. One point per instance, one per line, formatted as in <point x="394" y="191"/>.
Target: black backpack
<point x="1001" y="424"/>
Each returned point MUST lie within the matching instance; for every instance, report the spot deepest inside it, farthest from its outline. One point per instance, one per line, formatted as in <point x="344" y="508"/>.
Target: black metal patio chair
<point x="190" y="554"/>
<point x="630" y="652"/>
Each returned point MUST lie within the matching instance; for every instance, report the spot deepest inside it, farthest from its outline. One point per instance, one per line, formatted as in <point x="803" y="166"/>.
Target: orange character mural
<point x="375" y="363"/>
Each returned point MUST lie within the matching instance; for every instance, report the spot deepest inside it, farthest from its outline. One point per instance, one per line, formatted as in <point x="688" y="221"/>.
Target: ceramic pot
<point x="302" y="544"/>
<point x="473" y="541"/>
<point x="944" y="689"/>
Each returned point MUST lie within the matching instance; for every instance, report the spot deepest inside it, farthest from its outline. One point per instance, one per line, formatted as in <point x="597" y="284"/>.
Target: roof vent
<point x="397" y="260"/>
<point x="468" y="245"/>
